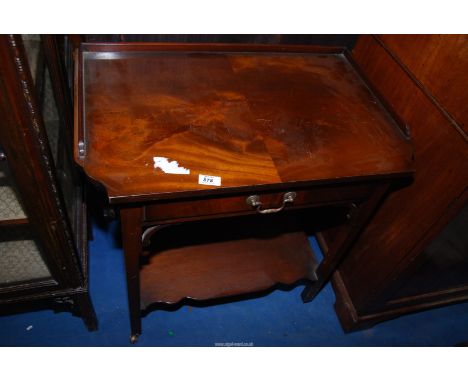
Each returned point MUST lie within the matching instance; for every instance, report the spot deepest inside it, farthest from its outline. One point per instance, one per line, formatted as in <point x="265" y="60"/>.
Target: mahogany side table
<point x="222" y="158"/>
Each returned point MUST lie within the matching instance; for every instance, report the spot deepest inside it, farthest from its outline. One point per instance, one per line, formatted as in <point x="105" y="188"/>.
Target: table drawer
<point x="166" y="211"/>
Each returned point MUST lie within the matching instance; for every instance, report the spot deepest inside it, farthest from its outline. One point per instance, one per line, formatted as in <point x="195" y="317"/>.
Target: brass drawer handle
<point x="254" y="201"/>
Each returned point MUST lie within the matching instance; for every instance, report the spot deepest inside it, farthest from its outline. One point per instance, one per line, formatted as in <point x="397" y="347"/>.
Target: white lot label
<point x="209" y="180"/>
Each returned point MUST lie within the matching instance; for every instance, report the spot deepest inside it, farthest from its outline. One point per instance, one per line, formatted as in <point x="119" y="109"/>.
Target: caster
<point x="133" y="338"/>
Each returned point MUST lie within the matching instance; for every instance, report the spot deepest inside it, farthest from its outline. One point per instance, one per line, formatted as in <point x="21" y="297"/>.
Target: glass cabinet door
<point x="24" y="256"/>
<point x="20" y="257"/>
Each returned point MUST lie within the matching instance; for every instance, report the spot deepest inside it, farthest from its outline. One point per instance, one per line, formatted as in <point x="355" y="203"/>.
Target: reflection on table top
<point x="249" y="118"/>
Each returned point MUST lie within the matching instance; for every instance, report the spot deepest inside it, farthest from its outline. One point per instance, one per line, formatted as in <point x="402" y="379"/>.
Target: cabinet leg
<point x="131" y="239"/>
<point x="86" y="310"/>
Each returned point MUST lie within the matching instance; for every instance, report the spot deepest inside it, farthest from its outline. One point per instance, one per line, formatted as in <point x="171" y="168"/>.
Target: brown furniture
<point x="414" y="253"/>
<point x="43" y="225"/>
<point x="291" y="137"/>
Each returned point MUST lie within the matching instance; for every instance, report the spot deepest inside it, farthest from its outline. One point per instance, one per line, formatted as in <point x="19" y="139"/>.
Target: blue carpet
<point x="275" y="319"/>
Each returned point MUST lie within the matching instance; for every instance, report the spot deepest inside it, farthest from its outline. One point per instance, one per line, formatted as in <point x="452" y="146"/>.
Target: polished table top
<point x="252" y="119"/>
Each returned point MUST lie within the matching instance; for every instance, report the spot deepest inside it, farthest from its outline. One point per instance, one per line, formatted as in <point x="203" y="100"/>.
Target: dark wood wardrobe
<point x="414" y="253"/>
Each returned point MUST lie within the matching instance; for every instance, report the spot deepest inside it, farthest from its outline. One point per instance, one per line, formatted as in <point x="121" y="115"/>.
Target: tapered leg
<point x="131" y="238"/>
<point x="357" y="220"/>
<point x="86" y="310"/>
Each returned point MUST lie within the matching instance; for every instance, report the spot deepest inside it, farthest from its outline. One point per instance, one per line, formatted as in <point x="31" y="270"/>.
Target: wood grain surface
<point x="440" y="64"/>
<point x="250" y="118"/>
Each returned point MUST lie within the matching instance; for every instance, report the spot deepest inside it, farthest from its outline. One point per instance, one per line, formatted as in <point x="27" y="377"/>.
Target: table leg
<point x="357" y="221"/>
<point x="131" y="239"/>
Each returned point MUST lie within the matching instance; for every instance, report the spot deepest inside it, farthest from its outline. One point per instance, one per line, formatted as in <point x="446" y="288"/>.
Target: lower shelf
<point x="227" y="257"/>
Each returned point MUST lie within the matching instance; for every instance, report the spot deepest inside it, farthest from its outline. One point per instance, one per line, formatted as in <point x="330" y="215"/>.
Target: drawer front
<point x="167" y="211"/>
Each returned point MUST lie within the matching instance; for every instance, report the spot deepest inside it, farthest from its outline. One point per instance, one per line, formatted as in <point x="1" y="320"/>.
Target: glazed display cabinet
<point x="43" y="218"/>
